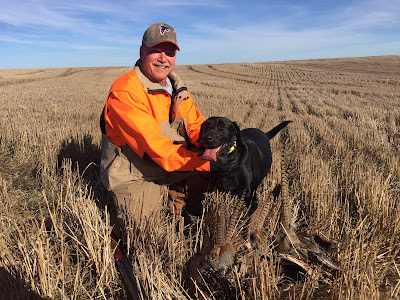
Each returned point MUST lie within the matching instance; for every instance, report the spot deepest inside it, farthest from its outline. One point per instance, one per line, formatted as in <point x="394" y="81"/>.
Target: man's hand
<point x="176" y="202"/>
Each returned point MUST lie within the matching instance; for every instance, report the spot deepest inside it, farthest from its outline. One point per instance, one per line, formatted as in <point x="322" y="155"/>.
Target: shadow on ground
<point x="85" y="157"/>
<point x="15" y="288"/>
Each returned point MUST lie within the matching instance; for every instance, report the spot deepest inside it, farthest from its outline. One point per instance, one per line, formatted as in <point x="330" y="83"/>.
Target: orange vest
<point x="138" y="113"/>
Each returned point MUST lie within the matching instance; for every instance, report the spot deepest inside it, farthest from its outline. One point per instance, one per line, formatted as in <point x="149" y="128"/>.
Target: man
<point x="150" y="127"/>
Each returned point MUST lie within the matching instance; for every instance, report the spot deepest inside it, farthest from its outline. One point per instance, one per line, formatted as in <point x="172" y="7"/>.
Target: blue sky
<point x="52" y="33"/>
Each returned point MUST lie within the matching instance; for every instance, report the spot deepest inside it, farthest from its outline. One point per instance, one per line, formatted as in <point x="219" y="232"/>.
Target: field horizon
<point x="236" y="63"/>
<point x="342" y="161"/>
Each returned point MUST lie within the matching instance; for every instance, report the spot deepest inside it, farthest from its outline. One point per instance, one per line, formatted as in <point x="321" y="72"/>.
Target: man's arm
<point x="135" y="125"/>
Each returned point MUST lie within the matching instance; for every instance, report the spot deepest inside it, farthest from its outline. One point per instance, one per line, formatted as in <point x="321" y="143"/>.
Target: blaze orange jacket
<point x="137" y="112"/>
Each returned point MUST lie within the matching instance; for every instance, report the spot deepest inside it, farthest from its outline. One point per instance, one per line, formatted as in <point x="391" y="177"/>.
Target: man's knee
<point x="138" y="200"/>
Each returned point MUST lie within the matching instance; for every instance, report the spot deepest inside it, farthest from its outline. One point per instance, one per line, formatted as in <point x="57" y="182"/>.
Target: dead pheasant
<point x="207" y="270"/>
<point x="301" y="250"/>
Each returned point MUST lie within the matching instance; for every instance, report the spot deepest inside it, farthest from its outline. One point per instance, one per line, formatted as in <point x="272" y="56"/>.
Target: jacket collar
<point x="180" y="91"/>
<point x="153" y="86"/>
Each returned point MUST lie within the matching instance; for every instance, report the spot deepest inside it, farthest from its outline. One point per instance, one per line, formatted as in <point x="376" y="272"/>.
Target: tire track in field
<point x="257" y="80"/>
<point x="245" y="80"/>
<point x="288" y="75"/>
<point x="22" y="81"/>
<point x="68" y="72"/>
<point x="263" y="74"/>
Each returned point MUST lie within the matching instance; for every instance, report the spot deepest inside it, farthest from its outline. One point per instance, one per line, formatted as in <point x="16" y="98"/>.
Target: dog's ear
<point x="201" y="133"/>
<point x="238" y="134"/>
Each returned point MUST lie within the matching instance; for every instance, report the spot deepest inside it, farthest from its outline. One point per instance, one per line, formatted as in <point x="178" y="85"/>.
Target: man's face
<point x="158" y="61"/>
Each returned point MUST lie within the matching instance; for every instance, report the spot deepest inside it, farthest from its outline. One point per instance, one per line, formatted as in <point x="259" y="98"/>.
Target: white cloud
<point x="250" y="31"/>
<point x="373" y="13"/>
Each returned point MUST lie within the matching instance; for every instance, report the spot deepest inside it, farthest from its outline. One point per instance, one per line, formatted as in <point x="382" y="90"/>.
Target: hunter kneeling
<point x="150" y="127"/>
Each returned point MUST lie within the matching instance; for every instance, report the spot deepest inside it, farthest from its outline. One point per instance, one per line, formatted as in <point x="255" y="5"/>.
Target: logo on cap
<point x="163" y="29"/>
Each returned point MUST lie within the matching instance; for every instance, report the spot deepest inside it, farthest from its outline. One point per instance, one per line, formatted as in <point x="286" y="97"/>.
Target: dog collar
<point x="232" y="148"/>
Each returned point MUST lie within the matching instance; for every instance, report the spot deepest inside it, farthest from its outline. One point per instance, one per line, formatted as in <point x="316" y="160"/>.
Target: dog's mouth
<point x="211" y="154"/>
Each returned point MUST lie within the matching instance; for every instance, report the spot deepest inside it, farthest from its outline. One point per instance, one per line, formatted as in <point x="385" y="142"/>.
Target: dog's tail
<point x="276" y="129"/>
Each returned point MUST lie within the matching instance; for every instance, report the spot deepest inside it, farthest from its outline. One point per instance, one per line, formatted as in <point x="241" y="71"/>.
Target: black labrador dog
<point x="240" y="159"/>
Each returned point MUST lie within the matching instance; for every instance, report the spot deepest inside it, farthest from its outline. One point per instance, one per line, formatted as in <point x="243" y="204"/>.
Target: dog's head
<point x="216" y="134"/>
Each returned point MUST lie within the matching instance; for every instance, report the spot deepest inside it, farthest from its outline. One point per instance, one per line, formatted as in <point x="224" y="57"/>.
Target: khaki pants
<point x="140" y="199"/>
<point x="139" y="187"/>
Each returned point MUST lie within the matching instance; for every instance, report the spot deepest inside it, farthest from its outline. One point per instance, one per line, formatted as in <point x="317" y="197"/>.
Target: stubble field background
<point x="342" y="152"/>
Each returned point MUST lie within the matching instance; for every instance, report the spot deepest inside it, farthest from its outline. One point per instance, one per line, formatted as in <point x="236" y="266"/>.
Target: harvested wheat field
<point x="341" y="166"/>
